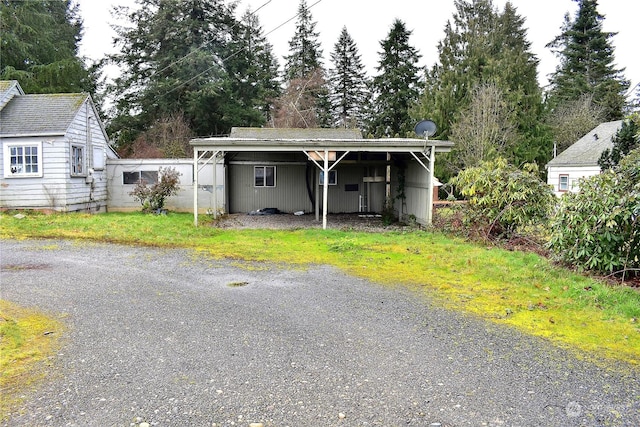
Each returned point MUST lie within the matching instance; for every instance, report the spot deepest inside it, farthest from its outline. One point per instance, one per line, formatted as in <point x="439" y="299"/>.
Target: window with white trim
<point x="77" y="160"/>
<point x="132" y="178"/>
<point x="563" y="184"/>
<point x="264" y="176"/>
<point x="23" y="160"/>
<point x="333" y="177"/>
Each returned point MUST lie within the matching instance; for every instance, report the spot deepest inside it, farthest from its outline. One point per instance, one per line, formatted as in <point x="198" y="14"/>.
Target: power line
<point x="239" y="50"/>
<point x="199" y="49"/>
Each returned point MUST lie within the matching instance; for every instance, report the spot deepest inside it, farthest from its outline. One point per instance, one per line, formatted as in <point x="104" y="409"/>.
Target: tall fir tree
<point x="305" y="51"/>
<point x="182" y="59"/>
<point x="253" y="70"/>
<point x="305" y="101"/>
<point x="349" y="93"/>
<point x="587" y="63"/>
<point x="485" y="46"/>
<point x="39" y="47"/>
<point x="396" y="87"/>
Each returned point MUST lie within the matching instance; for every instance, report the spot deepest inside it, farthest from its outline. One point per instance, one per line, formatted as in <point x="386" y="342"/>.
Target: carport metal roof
<point x="319" y="151"/>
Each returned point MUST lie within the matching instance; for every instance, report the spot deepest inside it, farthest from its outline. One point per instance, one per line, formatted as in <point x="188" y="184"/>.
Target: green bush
<point x="152" y="197"/>
<point x="503" y="198"/>
<point x="598" y="228"/>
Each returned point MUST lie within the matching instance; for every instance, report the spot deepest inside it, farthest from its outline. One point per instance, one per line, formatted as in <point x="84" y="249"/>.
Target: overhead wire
<point x="239" y="50"/>
<point x="199" y="49"/>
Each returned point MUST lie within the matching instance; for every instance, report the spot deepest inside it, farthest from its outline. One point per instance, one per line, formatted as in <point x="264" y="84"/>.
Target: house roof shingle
<point x="587" y="150"/>
<point x="40" y="114"/>
<point x="290" y="133"/>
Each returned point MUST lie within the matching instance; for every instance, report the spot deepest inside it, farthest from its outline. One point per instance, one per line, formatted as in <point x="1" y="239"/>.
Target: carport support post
<point x="195" y="187"/>
<point x="325" y="189"/>
<point x="432" y="163"/>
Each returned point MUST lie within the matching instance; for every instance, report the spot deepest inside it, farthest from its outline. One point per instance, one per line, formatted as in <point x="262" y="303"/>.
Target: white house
<point x="54" y="151"/>
<point x="580" y="160"/>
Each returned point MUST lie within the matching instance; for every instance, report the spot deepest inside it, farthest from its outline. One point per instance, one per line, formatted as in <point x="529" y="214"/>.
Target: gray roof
<point x="587" y="150"/>
<point x="49" y="114"/>
<point x="291" y="133"/>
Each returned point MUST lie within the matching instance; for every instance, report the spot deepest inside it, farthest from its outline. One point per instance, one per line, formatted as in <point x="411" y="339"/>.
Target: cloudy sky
<point x="369" y="22"/>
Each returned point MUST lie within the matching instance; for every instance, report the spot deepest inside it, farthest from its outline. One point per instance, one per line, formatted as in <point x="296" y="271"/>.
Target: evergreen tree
<point x="586" y="63"/>
<point x="305" y="55"/>
<point x="624" y="141"/>
<point x="185" y="59"/>
<point x="305" y="102"/>
<point x="396" y="88"/>
<point x="348" y="84"/>
<point x="39" y="47"/>
<point x="484" y="46"/>
<point x="253" y="71"/>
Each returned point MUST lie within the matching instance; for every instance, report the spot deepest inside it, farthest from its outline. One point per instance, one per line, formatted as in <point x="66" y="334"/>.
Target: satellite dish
<point x="425" y="128"/>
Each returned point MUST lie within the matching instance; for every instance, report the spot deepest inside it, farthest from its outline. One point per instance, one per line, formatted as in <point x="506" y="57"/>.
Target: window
<point x="132" y="178"/>
<point x="333" y="177"/>
<point x="23" y="160"/>
<point x="264" y="176"/>
<point x="564" y="183"/>
<point x="77" y="160"/>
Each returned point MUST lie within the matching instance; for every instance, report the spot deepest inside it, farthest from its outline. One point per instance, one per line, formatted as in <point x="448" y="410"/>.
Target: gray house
<point x="580" y="160"/>
<point x="54" y="152"/>
<point x="320" y="171"/>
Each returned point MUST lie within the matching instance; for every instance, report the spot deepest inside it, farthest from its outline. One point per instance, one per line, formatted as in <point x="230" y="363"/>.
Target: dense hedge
<point x="598" y="228"/>
<point x="503" y="198"/>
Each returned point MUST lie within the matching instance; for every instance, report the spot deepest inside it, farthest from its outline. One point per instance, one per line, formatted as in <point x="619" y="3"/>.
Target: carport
<point x="325" y="154"/>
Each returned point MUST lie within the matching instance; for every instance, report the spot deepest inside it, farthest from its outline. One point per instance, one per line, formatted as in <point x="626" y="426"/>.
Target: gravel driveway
<point x="170" y="338"/>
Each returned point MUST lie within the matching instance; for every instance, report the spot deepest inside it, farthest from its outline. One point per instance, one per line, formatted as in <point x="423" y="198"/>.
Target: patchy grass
<point x="520" y="289"/>
<point x="27" y="340"/>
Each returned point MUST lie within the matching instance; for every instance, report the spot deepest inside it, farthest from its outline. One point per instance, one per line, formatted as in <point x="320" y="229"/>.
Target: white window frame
<point x="76" y="161"/>
<point x="564" y="187"/>
<point x="333" y="177"/>
<point x="140" y="174"/>
<point x="7" y="147"/>
<point x="264" y="176"/>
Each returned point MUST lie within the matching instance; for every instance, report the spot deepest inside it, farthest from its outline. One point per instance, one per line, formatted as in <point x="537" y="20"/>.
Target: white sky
<point x="369" y="22"/>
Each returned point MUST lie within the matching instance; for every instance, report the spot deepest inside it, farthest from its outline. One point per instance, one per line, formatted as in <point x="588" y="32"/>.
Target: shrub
<point x="503" y="198"/>
<point x="152" y="198"/>
<point x="598" y="228"/>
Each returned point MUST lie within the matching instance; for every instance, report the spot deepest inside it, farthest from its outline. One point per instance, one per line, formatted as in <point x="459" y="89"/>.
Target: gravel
<point x="172" y="338"/>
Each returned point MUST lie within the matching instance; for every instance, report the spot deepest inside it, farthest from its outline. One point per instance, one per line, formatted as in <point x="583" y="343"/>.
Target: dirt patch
<point x="345" y="222"/>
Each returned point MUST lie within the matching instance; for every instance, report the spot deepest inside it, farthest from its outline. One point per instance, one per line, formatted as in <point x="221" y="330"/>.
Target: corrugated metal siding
<point x="417" y="190"/>
<point x="289" y="194"/>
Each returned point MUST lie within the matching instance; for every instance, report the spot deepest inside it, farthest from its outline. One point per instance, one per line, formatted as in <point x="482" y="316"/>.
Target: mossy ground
<point x="524" y="290"/>
<point x="28" y="338"/>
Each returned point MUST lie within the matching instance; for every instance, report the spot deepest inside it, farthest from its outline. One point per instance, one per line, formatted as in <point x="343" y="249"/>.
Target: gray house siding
<point x="288" y="195"/>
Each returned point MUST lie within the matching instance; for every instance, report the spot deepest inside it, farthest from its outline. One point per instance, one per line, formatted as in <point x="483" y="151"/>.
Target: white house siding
<point x="57" y="189"/>
<point x="575" y="173"/>
<point x="416" y="189"/>
<point x="48" y="191"/>
<point x="121" y="201"/>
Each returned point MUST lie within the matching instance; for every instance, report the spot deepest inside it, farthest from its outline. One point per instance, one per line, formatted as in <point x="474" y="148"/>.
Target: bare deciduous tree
<point x="168" y="137"/>
<point x="572" y="120"/>
<point x="297" y="107"/>
<point x="485" y="128"/>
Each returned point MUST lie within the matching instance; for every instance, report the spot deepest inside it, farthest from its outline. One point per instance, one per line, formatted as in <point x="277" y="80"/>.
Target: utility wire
<point x="199" y="49"/>
<point x="237" y="51"/>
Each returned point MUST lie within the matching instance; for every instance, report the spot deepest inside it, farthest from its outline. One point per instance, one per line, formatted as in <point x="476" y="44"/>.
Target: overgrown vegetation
<point x="598" y="228"/>
<point x="503" y="198"/>
<point x="520" y="289"/>
<point x="153" y="197"/>
<point x="27" y="338"/>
